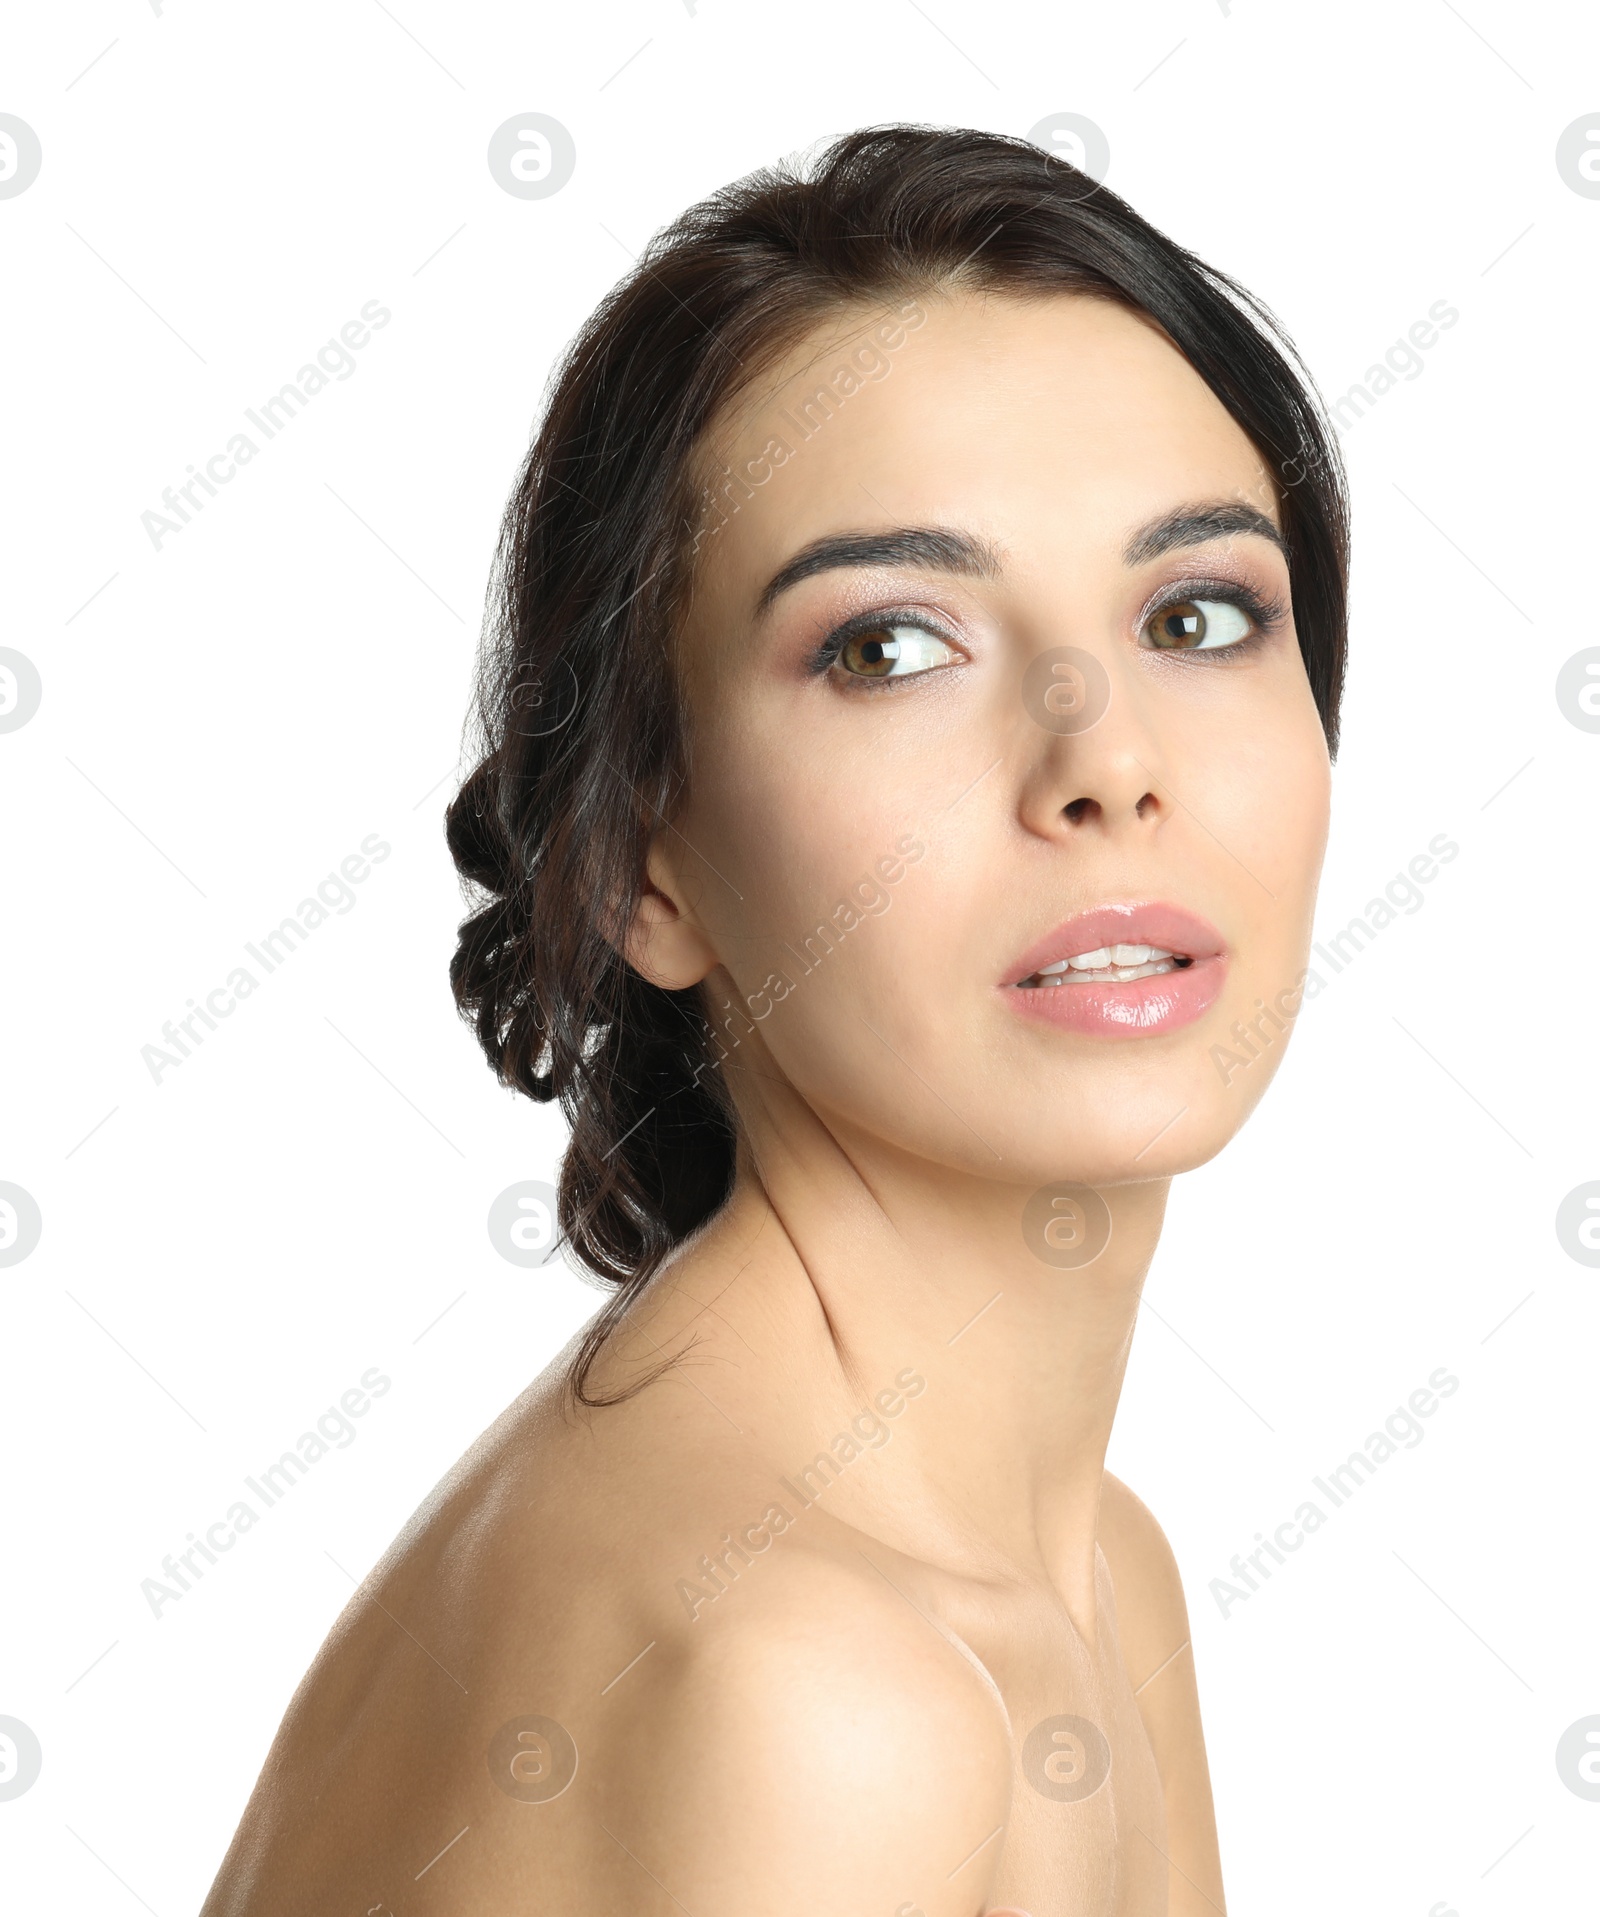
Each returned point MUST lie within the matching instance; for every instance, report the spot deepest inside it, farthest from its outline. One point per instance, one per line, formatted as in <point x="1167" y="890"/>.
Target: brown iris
<point x="870" y="655"/>
<point x="1179" y="625"/>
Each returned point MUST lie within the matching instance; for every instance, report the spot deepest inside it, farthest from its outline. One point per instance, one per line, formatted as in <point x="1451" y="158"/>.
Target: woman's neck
<point x="839" y="1265"/>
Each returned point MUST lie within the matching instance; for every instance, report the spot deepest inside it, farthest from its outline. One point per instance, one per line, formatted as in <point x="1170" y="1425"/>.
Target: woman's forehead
<point x="1012" y="418"/>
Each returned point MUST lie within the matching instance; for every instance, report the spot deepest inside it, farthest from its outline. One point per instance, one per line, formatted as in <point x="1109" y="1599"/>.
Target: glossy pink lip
<point x="1159" y="1004"/>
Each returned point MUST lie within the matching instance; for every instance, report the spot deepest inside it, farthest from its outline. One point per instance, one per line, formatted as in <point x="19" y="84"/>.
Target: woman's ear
<point x="664" y="942"/>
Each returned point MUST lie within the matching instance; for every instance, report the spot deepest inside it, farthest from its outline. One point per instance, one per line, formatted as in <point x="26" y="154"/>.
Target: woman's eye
<point x="1199" y="625"/>
<point x="893" y="652"/>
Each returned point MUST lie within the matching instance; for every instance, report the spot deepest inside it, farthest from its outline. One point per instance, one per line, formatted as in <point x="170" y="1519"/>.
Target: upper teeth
<point x="1110" y="965"/>
<point x="1105" y="955"/>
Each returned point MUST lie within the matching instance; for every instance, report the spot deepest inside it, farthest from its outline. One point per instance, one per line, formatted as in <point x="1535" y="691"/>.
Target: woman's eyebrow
<point x="1194" y="525"/>
<point x="941" y="549"/>
<point x="934" y="548"/>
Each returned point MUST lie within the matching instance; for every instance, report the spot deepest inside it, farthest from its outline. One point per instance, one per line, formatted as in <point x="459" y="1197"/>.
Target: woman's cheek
<point x="809" y="966"/>
<point x="1281" y="836"/>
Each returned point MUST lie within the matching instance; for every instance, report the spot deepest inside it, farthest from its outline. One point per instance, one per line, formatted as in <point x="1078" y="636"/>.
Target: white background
<point x="225" y="719"/>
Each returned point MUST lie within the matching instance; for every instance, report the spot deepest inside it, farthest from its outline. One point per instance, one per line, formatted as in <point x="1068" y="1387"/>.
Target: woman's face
<point x="991" y="632"/>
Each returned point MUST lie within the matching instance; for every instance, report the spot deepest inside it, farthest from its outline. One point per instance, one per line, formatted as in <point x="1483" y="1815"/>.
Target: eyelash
<point x="1267" y="615"/>
<point x="827" y="654"/>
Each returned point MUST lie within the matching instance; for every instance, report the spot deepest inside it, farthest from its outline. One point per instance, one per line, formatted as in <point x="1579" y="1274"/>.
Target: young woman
<point x="904" y="788"/>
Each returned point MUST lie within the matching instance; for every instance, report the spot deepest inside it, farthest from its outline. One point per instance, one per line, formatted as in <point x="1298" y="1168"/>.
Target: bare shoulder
<point x="814" y="1746"/>
<point x="1153" y="1628"/>
<point x="1144" y="1571"/>
<point x="527" y="1701"/>
<point x="367" y="1763"/>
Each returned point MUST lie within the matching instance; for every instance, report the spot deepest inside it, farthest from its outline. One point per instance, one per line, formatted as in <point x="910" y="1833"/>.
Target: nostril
<point x="1080" y="809"/>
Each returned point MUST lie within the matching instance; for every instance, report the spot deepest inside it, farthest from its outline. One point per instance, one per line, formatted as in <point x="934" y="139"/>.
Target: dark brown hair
<point x="581" y="729"/>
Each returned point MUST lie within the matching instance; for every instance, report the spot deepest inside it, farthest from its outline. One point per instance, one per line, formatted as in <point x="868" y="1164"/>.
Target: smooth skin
<point x="830" y="1715"/>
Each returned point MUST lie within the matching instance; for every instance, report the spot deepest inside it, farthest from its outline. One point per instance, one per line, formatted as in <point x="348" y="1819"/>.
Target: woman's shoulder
<point x="589" y="1651"/>
<point x="816" y="1733"/>
<point x="1152" y="1623"/>
<point x="1144" y="1571"/>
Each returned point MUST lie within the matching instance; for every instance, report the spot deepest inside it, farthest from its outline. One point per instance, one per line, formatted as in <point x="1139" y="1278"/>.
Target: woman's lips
<point x="1160" y="1001"/>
